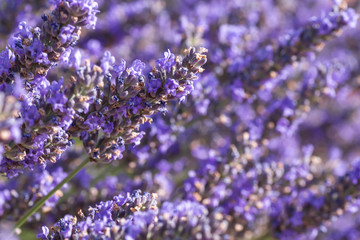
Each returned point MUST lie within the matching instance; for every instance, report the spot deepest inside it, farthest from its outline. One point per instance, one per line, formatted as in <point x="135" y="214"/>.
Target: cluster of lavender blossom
<point x="249" y="132"/>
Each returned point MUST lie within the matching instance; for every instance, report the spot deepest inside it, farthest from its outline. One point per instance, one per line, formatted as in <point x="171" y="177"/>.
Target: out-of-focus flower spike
<point x="267" y="63"/>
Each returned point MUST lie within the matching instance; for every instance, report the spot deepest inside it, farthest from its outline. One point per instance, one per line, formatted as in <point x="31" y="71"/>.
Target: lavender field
<point x="179" y="119"/>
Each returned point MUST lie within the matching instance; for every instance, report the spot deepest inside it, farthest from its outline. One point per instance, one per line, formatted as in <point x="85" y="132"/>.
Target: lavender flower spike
<point x="126" y="99"/>
<point x="268" y="62"/>
<point x="136" y="216"/>
<point x="37" y="49"/>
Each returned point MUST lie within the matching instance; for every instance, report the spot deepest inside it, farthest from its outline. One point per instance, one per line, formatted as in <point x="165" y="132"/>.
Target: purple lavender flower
<point x="263" y="145"/>
<point x="153" y="86"/>
<point x="107" y="61"/>
<point x="167" y="62"/>
<point x="136" y="216"/>
<point x="6" y="58"/>
<point x="171" y="86"/>
<point x="119" y="69"/>
<point x="38" y="49"/>
<point x="126" y="102"/>
<point x="292" y="46"/>
<point x="137" y="67"/>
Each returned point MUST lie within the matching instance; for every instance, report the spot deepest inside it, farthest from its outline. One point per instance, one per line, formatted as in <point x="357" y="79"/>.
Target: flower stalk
<point x="38" y="205"/>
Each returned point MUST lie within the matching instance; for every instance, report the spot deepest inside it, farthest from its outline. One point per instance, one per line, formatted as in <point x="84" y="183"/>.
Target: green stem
<point x="38" y="205"/>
